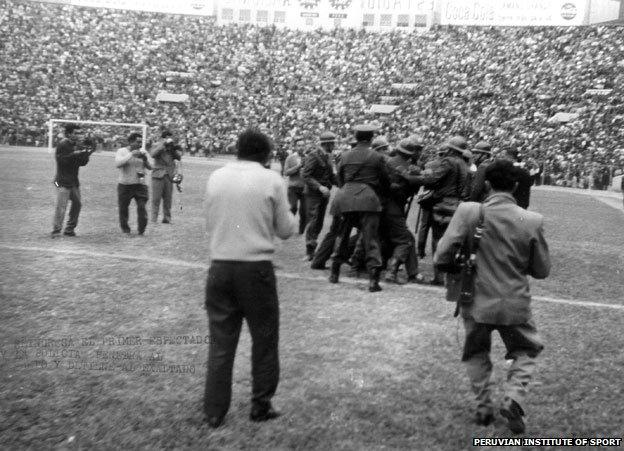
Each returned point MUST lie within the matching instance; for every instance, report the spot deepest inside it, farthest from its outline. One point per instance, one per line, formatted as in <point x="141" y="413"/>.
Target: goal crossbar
<point x="51" y="123"/>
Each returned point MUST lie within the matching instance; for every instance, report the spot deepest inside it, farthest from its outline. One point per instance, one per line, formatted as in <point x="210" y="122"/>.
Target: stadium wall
<point x="189" y="7"/>
<point x="374" y="15"/>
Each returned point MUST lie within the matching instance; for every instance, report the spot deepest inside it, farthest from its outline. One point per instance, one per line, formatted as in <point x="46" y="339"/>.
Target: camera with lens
<point x="177" y="179"/>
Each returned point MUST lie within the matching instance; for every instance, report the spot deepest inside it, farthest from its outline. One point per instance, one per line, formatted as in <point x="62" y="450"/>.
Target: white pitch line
<point x="279" y="273"/>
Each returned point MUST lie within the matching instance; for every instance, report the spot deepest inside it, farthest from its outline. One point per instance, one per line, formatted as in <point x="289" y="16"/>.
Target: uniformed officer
<point x="363" y="177"/>
<point x="482" y="157"/>
<point x="318" y="177"/>
<point x="380" y="144"/>
<point x="393" y="221"/>
<point x="448" y="182"/>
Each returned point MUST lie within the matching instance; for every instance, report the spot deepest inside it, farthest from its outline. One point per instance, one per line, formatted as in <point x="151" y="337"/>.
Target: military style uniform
<point x="448" y="180"/>
<point x="362" y="175"/>
<point x="317" y="172"/>
<point x="393" y="221"/>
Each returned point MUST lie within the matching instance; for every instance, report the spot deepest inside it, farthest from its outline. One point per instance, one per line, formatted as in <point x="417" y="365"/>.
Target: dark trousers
<point x="437" y="230"/>
<point x="64" y="195"/>
<point x="324" y="250"/>
<point x="296" y="200"/>
<point x="368" y="223"/>
<point x="316" y="206"/>
<point x="237" y="290"/>
<point x="162" y="188"/>
<point x="398" y="237"/>
<point x="125" y="194"/>
<point x="423" y="229"/>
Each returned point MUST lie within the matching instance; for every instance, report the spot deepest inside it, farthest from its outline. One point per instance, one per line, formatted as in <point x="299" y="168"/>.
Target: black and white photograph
<point x="311" y="224"/>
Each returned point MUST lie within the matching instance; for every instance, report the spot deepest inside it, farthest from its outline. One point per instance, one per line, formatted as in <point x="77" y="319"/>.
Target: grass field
<point x="358" y="370"/>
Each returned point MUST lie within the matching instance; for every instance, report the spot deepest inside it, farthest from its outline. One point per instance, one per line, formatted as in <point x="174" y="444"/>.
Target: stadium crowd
<point x="498" y="84"/>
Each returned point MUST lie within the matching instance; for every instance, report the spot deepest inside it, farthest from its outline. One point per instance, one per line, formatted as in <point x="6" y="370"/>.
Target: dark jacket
<point x="446" y="179"/>
<point x="68" y="161"/>
<point x="400" y="190"/>
<point x="318" y="171"/>
<point x="164" y="160"/>
<point x="363" y="177"/>
<point x="522" y="193"/>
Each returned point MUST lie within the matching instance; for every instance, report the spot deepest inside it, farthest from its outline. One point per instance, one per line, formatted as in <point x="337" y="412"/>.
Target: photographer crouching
<point x="166" y="154"/>
<point x="132" y="162"/>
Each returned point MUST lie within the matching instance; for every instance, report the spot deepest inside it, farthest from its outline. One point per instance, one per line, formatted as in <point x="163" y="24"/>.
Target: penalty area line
<point x="279" y="272"/>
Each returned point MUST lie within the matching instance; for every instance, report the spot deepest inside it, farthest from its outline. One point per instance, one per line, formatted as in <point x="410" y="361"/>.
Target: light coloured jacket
<point x="129" y="166"/>
<point x="512" y="247"/>
<point x="292" y="169"/>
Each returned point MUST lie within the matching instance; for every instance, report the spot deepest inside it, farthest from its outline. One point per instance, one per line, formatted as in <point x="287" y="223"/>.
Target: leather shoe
<point x="69" y="233"/>
<point x="214" y="422"/>
<point x="318" y="266"/>
<point x="264" y="415"/>
<point x="512" y="411"/>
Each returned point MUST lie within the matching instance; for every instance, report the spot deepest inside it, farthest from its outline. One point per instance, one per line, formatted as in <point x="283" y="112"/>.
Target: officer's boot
<point x="438" y="277"/>
<point x="392" y="271"/>
<point x="335" y="271"/>
<point x="373" y="281"/>
<point x="310" y="251"/>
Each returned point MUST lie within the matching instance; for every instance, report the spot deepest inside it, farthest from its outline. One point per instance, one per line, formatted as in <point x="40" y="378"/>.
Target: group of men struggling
<point x="376" y="189"/>
<point x="373" y="195"/>
<point x="132" y="161"/>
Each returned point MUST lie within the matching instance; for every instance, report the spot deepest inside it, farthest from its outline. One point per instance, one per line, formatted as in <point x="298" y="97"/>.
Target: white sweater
<point x="245" y="208"/>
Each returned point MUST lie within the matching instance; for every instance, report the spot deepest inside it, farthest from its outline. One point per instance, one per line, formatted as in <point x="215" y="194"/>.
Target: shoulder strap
<point x="478" y="233"/>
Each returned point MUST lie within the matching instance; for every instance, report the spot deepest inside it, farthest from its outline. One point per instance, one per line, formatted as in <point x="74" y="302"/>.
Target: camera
<point x="177" y="179"/>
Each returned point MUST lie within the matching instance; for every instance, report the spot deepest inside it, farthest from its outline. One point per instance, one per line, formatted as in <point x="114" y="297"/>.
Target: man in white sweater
<point x="132" y="163"/>
<point x="246" y="207"/>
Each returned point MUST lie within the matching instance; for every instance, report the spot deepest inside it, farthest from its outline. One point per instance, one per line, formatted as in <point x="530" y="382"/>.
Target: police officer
<point x="447" y="180"/>
<point x="363" y="177"/>
<point x="380" y="144"/>
<point x="393" y="221"/>
<point x="318" y="177"/>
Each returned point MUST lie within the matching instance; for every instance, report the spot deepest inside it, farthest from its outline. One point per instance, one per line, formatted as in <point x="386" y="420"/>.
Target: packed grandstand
<point x="525" y="87"/>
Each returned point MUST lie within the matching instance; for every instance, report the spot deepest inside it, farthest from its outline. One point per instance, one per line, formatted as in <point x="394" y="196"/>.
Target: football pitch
<point x="103" y="335"/>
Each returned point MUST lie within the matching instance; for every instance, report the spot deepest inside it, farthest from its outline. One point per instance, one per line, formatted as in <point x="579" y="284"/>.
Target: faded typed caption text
<point x="162" y="354"/>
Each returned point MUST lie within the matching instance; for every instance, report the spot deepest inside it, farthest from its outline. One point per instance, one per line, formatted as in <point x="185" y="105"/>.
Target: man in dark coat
<point x="448" y="182"/>
<point x="363" y="177"/>
<point x="166" y="155"/>
<point x="393" y="219"/>
<point x="325" y="249"/>
<point x="318" y="176"/>
<point x="522" y="194"/>
<point x="68" y="162"/>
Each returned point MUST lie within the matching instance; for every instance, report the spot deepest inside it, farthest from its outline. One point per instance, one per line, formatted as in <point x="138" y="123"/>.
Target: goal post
<point x="51" y="123"/>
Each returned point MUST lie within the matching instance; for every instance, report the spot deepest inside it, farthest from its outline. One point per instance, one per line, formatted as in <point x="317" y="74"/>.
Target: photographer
<point x="508" y="244"/>
<point x="165" y="153"/>
<point x="68" y="162"/>
<point x="132" y="162"/>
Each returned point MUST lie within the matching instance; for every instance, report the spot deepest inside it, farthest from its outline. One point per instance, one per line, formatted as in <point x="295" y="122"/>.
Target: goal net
<point x="105" y="135"/>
